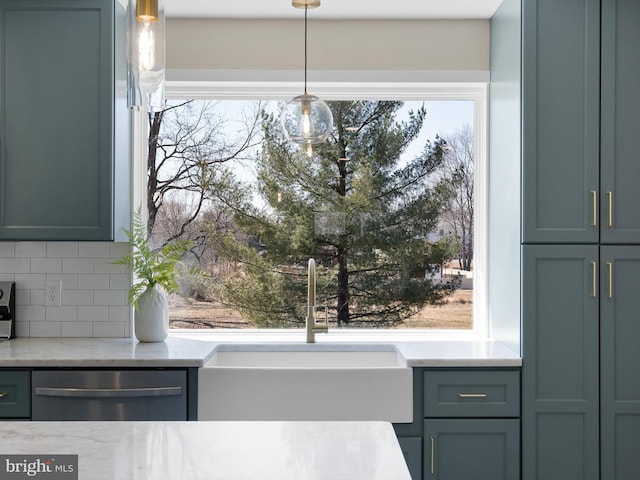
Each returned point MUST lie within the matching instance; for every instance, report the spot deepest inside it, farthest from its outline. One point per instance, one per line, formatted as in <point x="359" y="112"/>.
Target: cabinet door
<point x="560" y="387"/>
<point x="620" y="169"/>
<point x="561" y="118"/>
<point x="620" y="358"/>
<point x="56" y="118"/>
<point x="478" y="449"/>
<point x="15" y="398"/>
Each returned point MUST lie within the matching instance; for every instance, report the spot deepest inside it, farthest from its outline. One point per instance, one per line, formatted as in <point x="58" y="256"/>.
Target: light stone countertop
<point x="213" y="450"/>
<point x="185" y="349"/>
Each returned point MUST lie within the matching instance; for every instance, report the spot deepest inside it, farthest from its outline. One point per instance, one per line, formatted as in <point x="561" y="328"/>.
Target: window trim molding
<point x="472" y="91"/>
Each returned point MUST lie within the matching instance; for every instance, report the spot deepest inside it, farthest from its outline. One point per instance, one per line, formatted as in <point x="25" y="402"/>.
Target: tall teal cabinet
<point x="580" y="240"/>
<point x="64" y="126"/>
<point x="560" y="434"/>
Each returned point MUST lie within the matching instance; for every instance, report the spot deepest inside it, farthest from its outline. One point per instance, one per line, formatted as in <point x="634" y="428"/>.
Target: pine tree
<point x="356" y="207"/>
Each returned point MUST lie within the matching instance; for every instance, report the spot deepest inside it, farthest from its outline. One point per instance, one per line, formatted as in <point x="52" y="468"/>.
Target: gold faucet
<point x="312" y="326"/>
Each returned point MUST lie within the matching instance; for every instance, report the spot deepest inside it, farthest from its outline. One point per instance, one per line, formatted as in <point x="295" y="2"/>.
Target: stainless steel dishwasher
<point x="109" y="395"/>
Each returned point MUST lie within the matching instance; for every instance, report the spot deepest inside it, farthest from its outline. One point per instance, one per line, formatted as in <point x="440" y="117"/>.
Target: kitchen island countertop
<point x="193" y="350"/>
<point x="210" y="450"/>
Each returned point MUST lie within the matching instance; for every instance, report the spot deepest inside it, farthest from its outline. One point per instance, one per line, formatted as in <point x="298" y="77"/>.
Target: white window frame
<point x="477" y="92"/>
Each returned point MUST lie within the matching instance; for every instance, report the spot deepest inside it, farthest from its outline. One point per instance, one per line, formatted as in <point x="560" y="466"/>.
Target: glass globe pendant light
<point x="306" y="119"/>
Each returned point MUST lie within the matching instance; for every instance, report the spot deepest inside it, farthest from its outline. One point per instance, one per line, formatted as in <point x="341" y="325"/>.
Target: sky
<point x="443" y="117"/>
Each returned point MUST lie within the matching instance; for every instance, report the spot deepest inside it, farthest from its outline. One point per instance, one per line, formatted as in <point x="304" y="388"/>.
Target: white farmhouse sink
<point x="306" y="382"/>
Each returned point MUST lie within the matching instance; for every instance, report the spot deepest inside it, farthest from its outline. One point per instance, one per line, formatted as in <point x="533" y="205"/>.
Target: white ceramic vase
<point x="152" y="316"/>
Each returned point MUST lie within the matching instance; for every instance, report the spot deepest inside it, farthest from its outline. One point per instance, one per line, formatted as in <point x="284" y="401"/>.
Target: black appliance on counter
<point x="7" y="310"/>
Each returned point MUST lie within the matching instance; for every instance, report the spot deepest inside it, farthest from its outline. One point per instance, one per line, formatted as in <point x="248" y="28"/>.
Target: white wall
<point x="442" y="45"/>
<point x="504" y="175"/>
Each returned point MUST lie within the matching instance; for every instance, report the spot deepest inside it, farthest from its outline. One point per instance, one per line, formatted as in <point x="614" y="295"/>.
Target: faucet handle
<point x="323" y="326"/>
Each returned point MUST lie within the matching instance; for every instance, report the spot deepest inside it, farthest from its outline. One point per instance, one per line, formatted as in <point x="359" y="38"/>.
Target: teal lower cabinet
<point x="472" y="448"/>
<point x="15" y="394"/>
<point x="560" y="437"/>
<point x="580" y="382"/>
<point x="619" y="363"/>
<point x="412" y="450"/>
<point x="466" y="425"/>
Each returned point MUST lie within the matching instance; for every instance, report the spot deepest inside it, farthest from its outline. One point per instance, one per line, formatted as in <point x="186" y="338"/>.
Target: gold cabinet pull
<point x="594" y="286"/>
<point x="594" y="220"/>
<point x="472" y="395"/>
<point x="433" y="454"/>
<point x="610" y="268"/>
<point x="610" y="201"/>
<point x="3" y="394"/>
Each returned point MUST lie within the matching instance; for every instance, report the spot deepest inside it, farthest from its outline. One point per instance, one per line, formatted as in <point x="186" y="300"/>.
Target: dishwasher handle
<point x="108" y="392"/>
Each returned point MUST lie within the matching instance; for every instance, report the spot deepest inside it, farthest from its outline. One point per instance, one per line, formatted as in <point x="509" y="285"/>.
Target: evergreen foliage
<point x="355" y="207"/>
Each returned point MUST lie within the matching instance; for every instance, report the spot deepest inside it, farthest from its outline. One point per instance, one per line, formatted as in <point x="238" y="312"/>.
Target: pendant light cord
<point x="305" y="49"/>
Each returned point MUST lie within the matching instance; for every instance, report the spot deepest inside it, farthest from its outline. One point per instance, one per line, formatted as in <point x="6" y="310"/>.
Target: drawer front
<point x="15" y="400"/>
<point x="471" y="394"/>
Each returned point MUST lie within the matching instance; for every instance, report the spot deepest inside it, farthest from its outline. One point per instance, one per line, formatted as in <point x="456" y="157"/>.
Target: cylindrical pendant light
<point x="146" y="54"/>
<point x="306" y="119"/>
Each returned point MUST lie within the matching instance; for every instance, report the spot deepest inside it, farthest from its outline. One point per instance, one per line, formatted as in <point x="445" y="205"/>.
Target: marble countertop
<point x="195" y="350"/>
<point x="212" y="450"/>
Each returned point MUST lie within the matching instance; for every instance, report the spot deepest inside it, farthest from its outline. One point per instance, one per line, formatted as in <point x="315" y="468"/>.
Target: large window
<point x="388" y="207"/>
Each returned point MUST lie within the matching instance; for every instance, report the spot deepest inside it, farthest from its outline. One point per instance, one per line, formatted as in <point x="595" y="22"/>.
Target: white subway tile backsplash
<point x="120" y="314"/>
<point x="31" y="313"/>
<point x="94" y="289"/>
<point x="23" y="297"/>
<point x="22" y="329"/>
<point x="119" y="250"/>
<point x="93" y="281"/>
<point x="15" y="265"/>
<point x="7" y="249"/>
<point x="69" y="281"/>
<point x="119" y="281"/>
<point x="109" y="329"/>
<point x="61" y="314"/>
<point x="36" y="297"/>
<point x="77" y="329"/>
<point x="106" y="265"/>
<point x="77" y="297"/>
<point x="109" y="297"/>
<point x="46" y="265"/>
<point x="77" y="265"/>
<point x="30" y="280"/>
<point x="94" y="249"/>
<point x="62" y="249"/>
<point x="45" y="329"/>
<point x="95" y="314"/>
<point x="31" y="249"/>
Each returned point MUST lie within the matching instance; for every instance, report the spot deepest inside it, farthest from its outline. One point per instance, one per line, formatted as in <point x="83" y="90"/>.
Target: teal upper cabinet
<point x="580" y="100"/>
<point x="620" y="158"/>
<point x="560" y="82"/>
<point x="58" y="111"/>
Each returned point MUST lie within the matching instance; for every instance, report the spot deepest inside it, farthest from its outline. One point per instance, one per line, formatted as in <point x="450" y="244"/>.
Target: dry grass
<point x="455" y="314"/>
